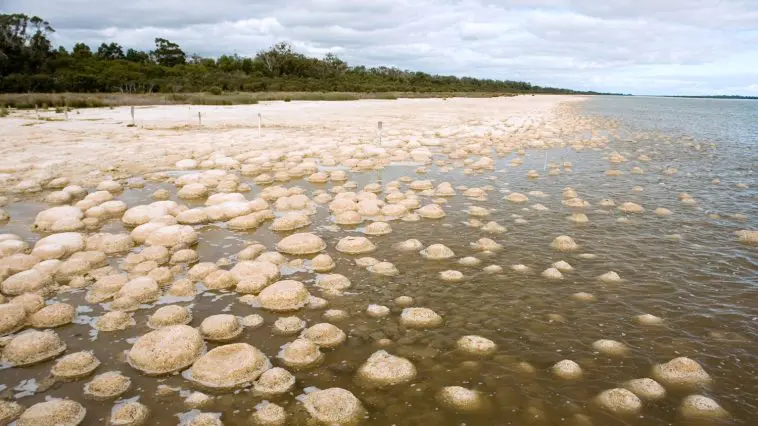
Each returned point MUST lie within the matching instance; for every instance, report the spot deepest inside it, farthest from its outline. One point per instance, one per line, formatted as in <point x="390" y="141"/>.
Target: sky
<point x="647" y="47"/>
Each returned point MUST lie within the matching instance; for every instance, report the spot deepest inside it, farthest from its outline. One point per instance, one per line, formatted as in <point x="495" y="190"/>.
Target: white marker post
<point x="545" y="166"/>
<point x="259" y="124"/>
<point x="379" y="129"/>
<point x="132" y="115"/>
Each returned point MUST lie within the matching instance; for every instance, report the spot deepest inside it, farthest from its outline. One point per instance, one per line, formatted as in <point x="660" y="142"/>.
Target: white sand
<point x="97" y="142"/>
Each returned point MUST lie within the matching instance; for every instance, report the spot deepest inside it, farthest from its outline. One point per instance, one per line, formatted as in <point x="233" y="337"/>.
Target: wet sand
<point x="165" y="134"/>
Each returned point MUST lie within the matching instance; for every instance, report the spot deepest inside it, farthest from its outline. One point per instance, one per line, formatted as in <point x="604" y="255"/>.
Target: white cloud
<point x="638" y="46"/>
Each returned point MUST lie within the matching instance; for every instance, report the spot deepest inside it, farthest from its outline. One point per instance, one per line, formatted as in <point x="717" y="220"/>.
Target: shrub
<point x="287" y="99"/>
<point x="215" y="90"/>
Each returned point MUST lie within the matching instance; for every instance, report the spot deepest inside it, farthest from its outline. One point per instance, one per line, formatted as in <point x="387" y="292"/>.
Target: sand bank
<point x="99" y="141"/>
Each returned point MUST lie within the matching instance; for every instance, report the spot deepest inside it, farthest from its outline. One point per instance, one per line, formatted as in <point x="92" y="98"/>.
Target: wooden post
<point x="65" y="109"/>
<point x="199" y="118"/>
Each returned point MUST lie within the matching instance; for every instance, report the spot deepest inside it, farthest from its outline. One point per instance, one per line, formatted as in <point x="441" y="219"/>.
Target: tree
<point x="24" y="46"/>
<point x="110" y="51"/>
<point x="137" y="56"/>
<point x="81" y="50"/>
<point x="167" y="53"/>
<point x="274" y="58"/>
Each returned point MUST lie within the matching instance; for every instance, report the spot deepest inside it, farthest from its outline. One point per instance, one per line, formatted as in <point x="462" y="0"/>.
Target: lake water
<point x="687" y="268"/>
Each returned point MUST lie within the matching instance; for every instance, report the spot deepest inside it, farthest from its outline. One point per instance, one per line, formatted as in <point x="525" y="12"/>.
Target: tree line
<point x="30" y="64"/>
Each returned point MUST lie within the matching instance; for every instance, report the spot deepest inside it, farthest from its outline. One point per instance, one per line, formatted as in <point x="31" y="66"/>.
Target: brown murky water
<point x="688" y="269"/>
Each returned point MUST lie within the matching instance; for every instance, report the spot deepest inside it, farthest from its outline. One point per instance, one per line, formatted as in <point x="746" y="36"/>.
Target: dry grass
<point x="98" y="100"/>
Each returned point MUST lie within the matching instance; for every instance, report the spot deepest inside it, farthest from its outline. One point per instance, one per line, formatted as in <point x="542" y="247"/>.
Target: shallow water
<point x="687" y="268"/>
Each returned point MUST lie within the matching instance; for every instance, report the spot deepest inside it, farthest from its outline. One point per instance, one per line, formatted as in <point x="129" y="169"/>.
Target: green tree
<point x="137" y="56"/>
<point x="110" y="51"/>
<point x="81" y="50"/>
<point x="167" y="53"/>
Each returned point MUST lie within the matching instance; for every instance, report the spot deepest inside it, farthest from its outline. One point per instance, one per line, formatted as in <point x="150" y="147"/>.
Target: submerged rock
<point x="476" y="345"/>
<point x="334" y="406"/>
<point x="699" y="407"/>
<point x="681" y="373"/>
<point x="420" y="318"/>
<point x="619" y="401"/>
<point x="383" y="369"/>
<point x="461" y="399"/>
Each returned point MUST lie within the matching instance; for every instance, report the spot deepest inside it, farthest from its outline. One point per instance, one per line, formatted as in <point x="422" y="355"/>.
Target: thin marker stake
<point x="259" y="124"/>
<point x="132" y="115"/>
<point x="199" y="118"/>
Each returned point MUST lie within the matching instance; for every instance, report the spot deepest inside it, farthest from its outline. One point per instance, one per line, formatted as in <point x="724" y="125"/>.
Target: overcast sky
<point x="630" y="46"/>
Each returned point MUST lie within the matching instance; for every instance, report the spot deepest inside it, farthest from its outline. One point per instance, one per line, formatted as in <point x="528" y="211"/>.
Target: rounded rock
<point x="619" y="401"/>
<point x="476" y="345"/>
<point x="229" y="366"/>
<point x="324" y="335"/>
<point x="52" y="316"/>
<point x="301" y="243"/>
<point x="699" y="407"/>
<point x="288" y="326"/>
<point x="567" y="370"/>
<point x="169" y="315"/>
<point x="646" y="389"/>
<point x="114" y="320"/>
<point x="437" y="252"/>
<point x="129" y="414"/>
<point x="461" y="399"/>
<point x="681" y="373"/>
<point x="408" y="245"/>
<point x="221" y="328"/>
<point x="32" y="347"/>
<point x="383" y="369"/>
<point x="275" y="381"/>
<point x="334" y="406"/>
<point x="420" y="318"/>
<point x="322" y="263"/>
<point x="75" y="365"/>
<point x="57" y="412"/>
<point x="12" y="318"/>
<point x="610" y="348"/>
<point x="166" y="350"/>
<point x="108" y="385"/>
<point x="355" y="245"/>
<point x="564" y="243"/>
<point x="300" y="354"/>
<point x="287" y="295"/>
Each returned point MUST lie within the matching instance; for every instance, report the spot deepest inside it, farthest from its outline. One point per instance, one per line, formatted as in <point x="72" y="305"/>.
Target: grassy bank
<point x="96" y="100"/>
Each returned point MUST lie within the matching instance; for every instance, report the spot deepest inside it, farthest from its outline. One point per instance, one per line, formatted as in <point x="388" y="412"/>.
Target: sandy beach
<point x="100" y="141"/>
